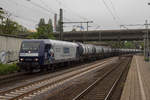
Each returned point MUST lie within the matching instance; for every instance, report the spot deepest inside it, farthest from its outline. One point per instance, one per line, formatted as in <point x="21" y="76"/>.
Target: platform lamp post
<point x="146" y="43"/>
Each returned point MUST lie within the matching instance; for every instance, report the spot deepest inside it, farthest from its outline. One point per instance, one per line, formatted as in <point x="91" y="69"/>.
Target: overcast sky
<point x="106" y="14"/>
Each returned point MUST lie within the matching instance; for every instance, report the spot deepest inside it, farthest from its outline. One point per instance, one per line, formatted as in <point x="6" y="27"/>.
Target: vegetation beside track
<point x="8" y="68"/>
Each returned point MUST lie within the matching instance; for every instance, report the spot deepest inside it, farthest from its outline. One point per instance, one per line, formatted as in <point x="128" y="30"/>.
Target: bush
<point x="8" y="68"/>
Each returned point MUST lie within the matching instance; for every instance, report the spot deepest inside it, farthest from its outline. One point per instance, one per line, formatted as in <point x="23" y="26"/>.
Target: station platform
<point x="137" y="85"/>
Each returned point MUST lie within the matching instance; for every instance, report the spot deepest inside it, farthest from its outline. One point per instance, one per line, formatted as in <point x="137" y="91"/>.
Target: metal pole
<point x="100" y="36"/>
<point x="61" y="24"/>
<point x="144" y="46"/>
<point x="87" y="25"/>
<point x="55" y="22"/>
<point x="146" y="43"/>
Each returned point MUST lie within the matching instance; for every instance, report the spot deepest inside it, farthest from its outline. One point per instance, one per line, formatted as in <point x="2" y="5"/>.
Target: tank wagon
<point x="46" y="53"/>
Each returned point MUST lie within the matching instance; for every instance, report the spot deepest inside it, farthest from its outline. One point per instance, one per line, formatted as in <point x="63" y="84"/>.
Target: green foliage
<point x="8" y="68"/>
<point x="41" y="23"/>
<point x="146" y="59"/>
<point x="11" y="27"/>
<point x="50" y="26"/>
<point x="125" y="44"/>
<point x="1" y="13"/>
<point x="7" y="26"/>
<point x="129" y="44"/>
<point x="113" y="44"/>
<point x="44" y="31"/>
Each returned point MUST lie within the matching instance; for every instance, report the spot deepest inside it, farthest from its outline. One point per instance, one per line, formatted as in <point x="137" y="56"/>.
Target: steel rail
<point x="83" y="93"/>
<point x="115" y="83"/>
<point x="38" y="85"/>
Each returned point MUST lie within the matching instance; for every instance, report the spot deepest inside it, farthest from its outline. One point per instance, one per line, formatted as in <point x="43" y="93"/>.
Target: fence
<point x="9" y="48"/>
<point x="8" y="56"/>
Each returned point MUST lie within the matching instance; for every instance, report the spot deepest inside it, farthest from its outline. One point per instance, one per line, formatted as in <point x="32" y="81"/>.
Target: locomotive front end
<point x="29" y="56"/>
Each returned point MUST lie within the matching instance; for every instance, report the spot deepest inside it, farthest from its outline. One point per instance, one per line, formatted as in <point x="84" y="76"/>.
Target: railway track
<point x="26" y="75"/>
<point x="11" y="77"/>
<point x="104" y="86"/>
<point x="34" y="88"/>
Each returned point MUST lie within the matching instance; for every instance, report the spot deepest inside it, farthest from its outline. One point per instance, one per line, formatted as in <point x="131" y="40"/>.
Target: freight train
<point x="46" y="53"/>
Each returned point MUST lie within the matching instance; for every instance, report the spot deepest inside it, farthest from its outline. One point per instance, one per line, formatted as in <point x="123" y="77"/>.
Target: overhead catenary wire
<point x="11" y="13"/>
<point x="28" y="19"/>
<point x="44" y="6"/>
<point x="109" y="10"/>
<point x="114" y="9"/>
<point x="114" y="16"/>
<point x="25" y="21"/>
<point x="52" y="11"/>
<point x="18" y="4"/>
<point x="20" y="17"/>
<point x="41" y="7"/>
<point x="65" y="7"/>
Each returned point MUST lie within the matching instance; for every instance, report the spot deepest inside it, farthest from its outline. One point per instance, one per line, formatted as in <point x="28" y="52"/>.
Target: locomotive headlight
<point x="36" y="59"/>
<point x="21" y="59"/>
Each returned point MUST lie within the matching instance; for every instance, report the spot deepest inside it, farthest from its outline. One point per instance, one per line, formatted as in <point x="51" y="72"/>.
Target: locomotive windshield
<point x="30" y="46"/>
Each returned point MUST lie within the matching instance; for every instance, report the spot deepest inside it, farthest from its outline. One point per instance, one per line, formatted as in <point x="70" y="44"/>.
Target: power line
<point x="114" y="9"/>
<point x="39" y="6"/>
<point x="78" y="15"/>
<point x="66" y="7"/>
<point x="59" y="2"/>
<point x="114" y="18"/>
<point x="20" y="17"/>
<point x="112" y="14"/>
<point x="18" y="4"/>
<point x="27" y="19"/>
<point x="52" y="11"/>
<point x="134" y="25"/>
<point x="47" y="5"/>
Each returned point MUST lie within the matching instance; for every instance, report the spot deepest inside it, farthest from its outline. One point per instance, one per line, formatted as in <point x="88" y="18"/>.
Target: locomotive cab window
<point x="30" y="46"/>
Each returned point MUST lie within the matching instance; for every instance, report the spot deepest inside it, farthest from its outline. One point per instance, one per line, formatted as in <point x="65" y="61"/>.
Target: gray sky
<point x="108" y="14"/>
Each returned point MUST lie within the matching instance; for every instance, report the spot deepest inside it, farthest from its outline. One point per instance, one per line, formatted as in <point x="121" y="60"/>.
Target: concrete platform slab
<point x="137" y="86"/>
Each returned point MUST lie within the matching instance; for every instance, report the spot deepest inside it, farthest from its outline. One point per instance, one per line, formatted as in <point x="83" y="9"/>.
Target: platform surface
<point x="137" y="85"/>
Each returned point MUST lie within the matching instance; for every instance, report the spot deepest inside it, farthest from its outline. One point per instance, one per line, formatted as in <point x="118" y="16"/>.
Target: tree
<point x="41" y="23"/>
<point x="1" y="18"/>
<point x="44" y="31"/>
<point x="50" y="26"/>
<point x="129" y="44"/>
<point x="9" y="27"/>
<point x="1" y="14"/>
